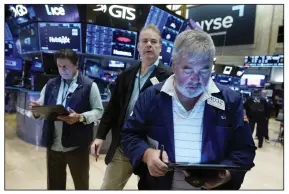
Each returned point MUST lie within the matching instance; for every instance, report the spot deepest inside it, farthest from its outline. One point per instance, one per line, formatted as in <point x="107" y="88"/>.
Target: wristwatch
<point x="81" y="118"/>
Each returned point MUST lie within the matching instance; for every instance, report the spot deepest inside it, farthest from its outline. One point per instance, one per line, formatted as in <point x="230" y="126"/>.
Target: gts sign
<point x="117" y="11"/>
<point x="218" y="23"/>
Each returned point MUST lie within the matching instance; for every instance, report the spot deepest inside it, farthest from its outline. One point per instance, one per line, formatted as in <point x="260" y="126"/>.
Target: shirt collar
<point x="169" y="88"/>
<point x="154" y="65"/>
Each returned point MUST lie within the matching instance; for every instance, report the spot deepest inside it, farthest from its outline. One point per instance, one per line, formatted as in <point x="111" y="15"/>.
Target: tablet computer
<point x="193" y="166"/>
<point x="47" y="110"/>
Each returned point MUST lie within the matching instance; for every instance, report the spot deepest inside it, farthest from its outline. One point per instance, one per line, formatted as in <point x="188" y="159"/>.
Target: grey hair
<point x="194" y="43"/>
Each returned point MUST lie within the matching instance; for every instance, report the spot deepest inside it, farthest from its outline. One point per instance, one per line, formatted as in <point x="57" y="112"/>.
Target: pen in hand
<point x="96" y="154"/>
<point x="161" y="152"/>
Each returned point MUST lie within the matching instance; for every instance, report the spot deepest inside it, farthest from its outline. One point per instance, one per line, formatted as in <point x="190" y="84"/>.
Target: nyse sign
<point x="227" y="24"/>
<point x="118" y="11"/>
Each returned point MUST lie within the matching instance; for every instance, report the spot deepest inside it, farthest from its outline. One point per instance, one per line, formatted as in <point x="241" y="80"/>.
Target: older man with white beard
<point x="194" y="119"/>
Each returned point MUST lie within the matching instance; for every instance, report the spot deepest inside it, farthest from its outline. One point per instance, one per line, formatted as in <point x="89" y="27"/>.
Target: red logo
<point x="124" y="39"/>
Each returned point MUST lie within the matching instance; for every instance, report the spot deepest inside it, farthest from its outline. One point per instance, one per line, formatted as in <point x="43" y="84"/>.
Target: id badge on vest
<point x="216" y="102"/>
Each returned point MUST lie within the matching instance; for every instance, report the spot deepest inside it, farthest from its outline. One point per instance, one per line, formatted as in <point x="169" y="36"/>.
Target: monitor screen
<point x="13" y="64"/>
<point x="169" y="24"/>
<point x="28" y="36"/>
<point x="166" y="52"/>
<point x="56" y="36"/>
<point x="9" y="48"/>
<point x="109" y="76"/>
<point x="222" y="79"/>
<point x="116" y="64"/>
<point x="107" y="41"/>
<point x="93" y="69"/>
<point x="37" y="66"/>
<point x="253" y="80"/>
<point x="264" y="61"/>
<point x="8" y="34"/>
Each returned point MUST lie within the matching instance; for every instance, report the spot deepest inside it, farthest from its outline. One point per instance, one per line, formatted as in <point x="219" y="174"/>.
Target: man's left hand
<point x="72" y="118"/>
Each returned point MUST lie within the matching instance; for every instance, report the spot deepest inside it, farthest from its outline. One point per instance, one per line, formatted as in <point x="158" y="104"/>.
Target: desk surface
<point x="22" y="89"/>
<point x="33" y="92"/>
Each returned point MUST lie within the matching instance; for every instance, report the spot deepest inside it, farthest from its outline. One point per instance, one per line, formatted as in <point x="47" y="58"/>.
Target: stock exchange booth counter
<point x="29" y="129"/>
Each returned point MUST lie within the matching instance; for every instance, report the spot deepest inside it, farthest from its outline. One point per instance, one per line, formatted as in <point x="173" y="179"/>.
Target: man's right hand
<point x="32" y="104"/>
<point x="95" y="147"/>
<point x="155" y="165"/>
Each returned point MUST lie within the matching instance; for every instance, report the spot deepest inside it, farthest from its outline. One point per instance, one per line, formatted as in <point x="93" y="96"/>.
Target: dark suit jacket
<point x="114" y="114"/>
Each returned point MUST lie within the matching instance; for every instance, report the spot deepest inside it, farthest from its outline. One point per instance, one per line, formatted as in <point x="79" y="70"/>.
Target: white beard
<point x="192" y="94"/>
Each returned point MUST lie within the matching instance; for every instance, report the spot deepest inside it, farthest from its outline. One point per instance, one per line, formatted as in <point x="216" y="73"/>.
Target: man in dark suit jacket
<point x="129" y="85"/>
<point x="193" y="120"/>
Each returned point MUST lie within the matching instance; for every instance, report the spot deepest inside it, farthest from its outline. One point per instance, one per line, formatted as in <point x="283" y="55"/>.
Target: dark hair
<point x="67" y="54"/>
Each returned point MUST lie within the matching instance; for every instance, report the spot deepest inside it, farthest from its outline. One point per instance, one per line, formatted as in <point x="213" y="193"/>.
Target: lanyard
<point x="139" y="73"/>
<point x="65" y="94"/>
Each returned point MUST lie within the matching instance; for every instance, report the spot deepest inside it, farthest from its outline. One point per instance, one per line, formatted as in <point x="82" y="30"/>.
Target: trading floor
<point x="25" y="164"/>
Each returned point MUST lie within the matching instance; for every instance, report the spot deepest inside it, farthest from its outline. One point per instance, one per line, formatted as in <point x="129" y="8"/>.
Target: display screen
<point x="93" y="69"/>
<point x="116" y="64"/>
<point x="37" y="66"/>
<point x="164" y="20"/>
<point x="264" y="61"/>
<point x="9" y="48"/>
<point x="13" y="64"/>
<point x="222" y="79"/>
<point x="107" y="41"/>
<point x="8" y="34"/>
<point x="56" y="36"/>
<point x="169" y="26"/>
<point x="109" y="76"/>
<point x="28" y="36"/>
<point x="166" y="53"/>
<point x="253" y="80"/>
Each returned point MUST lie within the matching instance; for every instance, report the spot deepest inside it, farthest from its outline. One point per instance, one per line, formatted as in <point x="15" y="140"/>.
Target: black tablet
<point x="47" y="110"/>
<point x="192" y="166"/>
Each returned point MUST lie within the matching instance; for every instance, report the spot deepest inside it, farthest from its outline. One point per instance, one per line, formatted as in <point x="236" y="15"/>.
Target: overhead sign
<point x="264" y="61"/>
<point x="51" y="10"/>
<point x="117" y="11"/>
<point x="227" y="24"/>
<point x="126" y="16"/>
<point x="19" y="10"/>
<point x="56" y="12"/>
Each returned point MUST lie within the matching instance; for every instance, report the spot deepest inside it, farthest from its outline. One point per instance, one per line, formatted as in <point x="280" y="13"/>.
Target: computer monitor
<point x="108" y="41"/>
<point x="37" y="66"/>
<point x="56" y="36"/>
<point x="93" y="69"/>
<point x="15" y="64"/>
<point x="166" y="53"/>
<point x="116" y="64"/>
<point x="28" y="36"/>
<point x="9" y="48"/>
<point x="253" y="80"/>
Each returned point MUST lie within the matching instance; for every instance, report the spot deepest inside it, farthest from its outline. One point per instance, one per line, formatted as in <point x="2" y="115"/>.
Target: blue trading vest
<point x="77" y="134"/>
